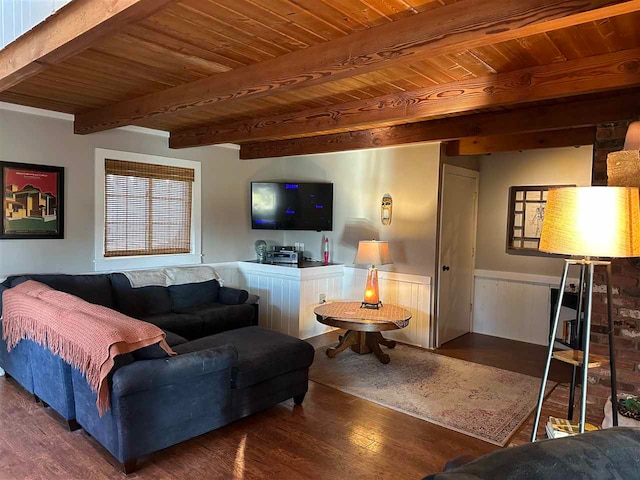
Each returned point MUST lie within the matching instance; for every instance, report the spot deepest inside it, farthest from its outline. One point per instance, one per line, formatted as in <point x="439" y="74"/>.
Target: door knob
<point x="445" y="268"/>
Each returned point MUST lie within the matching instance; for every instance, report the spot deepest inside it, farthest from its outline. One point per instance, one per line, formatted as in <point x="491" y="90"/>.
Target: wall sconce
<point x="386" y="209"/>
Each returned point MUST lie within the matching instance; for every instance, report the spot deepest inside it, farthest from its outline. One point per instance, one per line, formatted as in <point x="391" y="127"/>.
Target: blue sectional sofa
<point x="227" y="367"/>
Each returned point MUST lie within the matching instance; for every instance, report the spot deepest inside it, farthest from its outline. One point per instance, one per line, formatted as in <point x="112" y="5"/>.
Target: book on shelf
<point x="560" y="427"/>
<point x="566" y="330"/>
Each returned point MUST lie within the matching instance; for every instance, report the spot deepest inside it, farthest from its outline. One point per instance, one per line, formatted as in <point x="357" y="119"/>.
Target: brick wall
<point x="626" y="294"/>
<point x="609" y="138"/>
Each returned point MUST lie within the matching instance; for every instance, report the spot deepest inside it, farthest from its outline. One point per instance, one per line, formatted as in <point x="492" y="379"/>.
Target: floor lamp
<point x="588" y="224"/>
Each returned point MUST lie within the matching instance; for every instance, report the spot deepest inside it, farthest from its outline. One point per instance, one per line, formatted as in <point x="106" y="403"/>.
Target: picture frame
<point x="33" y="201"/>
<point x="526" y="213"/>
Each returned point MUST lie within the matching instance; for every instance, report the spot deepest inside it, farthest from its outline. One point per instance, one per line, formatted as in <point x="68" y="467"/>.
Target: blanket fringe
<point x="16" y="331"/>
<point x="46" y="324"/>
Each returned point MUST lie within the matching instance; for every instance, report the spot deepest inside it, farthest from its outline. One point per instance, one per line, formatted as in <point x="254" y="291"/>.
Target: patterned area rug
<point x="484" y="402"/>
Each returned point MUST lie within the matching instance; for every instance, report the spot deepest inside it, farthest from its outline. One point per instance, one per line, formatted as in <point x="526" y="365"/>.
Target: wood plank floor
<point x="331" y="434"/>
<point x="520" y="357"/>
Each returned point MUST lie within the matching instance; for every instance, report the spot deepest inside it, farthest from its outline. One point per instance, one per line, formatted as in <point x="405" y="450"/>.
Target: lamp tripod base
<point x="585" y="302"/>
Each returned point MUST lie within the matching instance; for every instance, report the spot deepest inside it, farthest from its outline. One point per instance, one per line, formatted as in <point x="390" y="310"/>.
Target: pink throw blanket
<point x="87" y="336"/>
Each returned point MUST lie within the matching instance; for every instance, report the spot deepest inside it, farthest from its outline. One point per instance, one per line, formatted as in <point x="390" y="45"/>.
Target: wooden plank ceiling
<point x="258" y="71"/>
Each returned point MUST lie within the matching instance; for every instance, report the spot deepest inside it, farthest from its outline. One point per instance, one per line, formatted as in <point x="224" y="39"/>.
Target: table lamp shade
<point x="592" y="222"/>
<point x="373" y="252"/>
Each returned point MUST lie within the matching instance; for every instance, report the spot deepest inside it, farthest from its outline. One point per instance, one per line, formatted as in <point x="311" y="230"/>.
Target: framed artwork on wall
<point x="33" y="204"/>
<point x="526" y="213"/>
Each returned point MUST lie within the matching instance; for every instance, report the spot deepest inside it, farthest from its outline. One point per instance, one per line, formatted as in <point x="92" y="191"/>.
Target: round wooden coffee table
<point x="363" y="326"/>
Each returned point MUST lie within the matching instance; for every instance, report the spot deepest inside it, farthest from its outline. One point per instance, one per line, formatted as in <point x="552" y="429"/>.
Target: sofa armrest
<point x="159" y="403"/>
<point x="232" y="296"/>
<point x="147" y="375"/>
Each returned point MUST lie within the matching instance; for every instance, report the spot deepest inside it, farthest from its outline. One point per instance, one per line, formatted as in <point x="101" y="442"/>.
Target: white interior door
<point x="458" y="211"/>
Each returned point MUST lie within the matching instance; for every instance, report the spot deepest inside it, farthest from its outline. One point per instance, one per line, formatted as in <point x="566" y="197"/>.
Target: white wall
<point x="498" y="172"/>
<point x="512" y="292"/>
<point x="227" y="233"/>
<point x="409" y="173"/>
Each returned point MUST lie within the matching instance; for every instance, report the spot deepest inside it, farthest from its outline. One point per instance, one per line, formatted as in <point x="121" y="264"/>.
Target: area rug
<point x="480" y="401"/>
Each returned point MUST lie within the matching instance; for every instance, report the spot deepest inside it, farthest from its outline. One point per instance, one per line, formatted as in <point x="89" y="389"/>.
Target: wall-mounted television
<point x="291" y="206"/>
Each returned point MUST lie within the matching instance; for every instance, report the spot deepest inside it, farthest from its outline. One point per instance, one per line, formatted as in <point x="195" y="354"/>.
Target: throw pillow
<point x="192" y="295"/>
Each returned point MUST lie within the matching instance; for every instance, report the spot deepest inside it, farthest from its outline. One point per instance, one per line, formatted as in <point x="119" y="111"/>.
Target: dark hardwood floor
<point x="520" y="357"/>
<point x="331" y="435"/>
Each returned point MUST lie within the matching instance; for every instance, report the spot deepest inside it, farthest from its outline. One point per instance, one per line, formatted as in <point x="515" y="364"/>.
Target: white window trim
<point x="102" y="263"/>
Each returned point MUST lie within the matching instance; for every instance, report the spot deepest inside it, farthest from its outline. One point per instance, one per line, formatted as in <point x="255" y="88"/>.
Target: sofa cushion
<point x="182" y="324"/>
<point x="154" y="351"/>
<point x="262" y="354"/>
<point x="139" y="302"/>
<point x="219" y="318"/>
<point x="192" y="295"/>
<point x="150" y="352"/>
<point x="233" y="296"/>
<point x="91" y="288"/>
<point x="603" y="454"/>
<point x="174" y="339"/>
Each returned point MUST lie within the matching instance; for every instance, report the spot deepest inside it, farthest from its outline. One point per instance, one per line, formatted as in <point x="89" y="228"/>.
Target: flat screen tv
<point x="292" y="206"/>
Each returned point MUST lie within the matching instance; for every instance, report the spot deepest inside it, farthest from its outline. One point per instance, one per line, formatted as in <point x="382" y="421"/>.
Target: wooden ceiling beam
<point x="449" y="29"/>
<point x="581" y="113"/>
<point x="572" y="137"/>
<point x="582" y="76"/>
<point x="73" y="28"/>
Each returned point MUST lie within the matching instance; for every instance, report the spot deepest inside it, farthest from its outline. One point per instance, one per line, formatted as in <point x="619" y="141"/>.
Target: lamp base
<point x="373" y="306"/>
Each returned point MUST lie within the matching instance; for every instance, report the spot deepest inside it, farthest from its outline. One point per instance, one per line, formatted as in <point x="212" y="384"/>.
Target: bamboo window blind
<point x="147" y="209"/>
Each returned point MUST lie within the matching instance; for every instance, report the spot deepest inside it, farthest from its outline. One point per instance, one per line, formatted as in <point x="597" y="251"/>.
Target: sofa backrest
<point x="191" y="295"/>
<point x="139" y="302"/>
<point x="91" y="288"/>
<point x="115" y="291"/>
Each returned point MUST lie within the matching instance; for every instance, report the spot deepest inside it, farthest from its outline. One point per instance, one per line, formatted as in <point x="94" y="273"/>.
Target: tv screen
<point x="292" y="206"/>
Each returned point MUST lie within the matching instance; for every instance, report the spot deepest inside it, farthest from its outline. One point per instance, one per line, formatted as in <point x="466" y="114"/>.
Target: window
<point x="147" y="211"/>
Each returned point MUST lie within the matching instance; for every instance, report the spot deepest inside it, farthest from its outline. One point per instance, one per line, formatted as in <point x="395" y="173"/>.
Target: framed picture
<point x="526" y="213"/>
<point x="33" y="201"/>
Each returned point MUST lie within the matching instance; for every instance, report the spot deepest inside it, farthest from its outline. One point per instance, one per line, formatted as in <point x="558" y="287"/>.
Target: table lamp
<point x="588" y="223"/>
<point x="372" y="252"/>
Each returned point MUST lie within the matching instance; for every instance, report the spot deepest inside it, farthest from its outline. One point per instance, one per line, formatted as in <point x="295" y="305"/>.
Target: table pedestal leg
<point x="383" y="341"/>
<point x="347" y="340"/>
<point x="361" y="346"/>
<point x="373" y="340"/>
<point x="362" y="343"/>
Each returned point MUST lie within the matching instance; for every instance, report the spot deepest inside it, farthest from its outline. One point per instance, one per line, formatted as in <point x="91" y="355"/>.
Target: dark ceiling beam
<point x="582" y="76"/>
<point x="571" y="137"/>
<point x="579" y="113"/>
<point x="449" y="29"/>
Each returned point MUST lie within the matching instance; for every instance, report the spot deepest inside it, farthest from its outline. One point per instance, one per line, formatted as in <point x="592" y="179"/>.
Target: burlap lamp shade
<point x="592" y="222"/>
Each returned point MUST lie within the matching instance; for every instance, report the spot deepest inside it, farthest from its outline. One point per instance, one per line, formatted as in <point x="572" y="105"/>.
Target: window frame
<point x="102" y="263"/>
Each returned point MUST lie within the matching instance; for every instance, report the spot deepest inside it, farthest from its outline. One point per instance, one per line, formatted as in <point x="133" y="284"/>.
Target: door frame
<point x="463" y="172"/>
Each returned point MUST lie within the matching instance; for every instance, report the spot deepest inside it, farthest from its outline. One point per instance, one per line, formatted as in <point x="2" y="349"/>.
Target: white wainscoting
<point x="288" y="295"/>
<point x="514" y="306"/>
<point x="412" y="292"/>
<point x="229" y="272"/>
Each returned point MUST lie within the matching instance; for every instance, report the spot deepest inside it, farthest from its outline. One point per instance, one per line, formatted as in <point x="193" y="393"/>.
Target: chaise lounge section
<point x="226" y="367"/>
